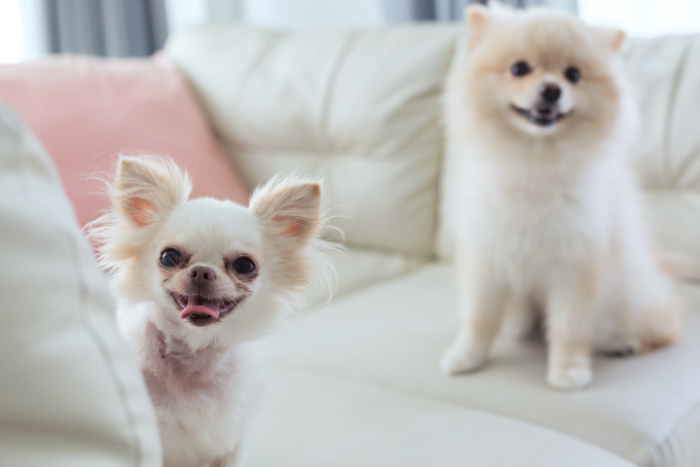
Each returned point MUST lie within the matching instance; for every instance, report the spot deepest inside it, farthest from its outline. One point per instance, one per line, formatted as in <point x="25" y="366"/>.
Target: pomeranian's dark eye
<point x="170" y="257"/>
<point x="243" y="265"/>
<point x="520" y="68"/>
<point x="572" y="74"/>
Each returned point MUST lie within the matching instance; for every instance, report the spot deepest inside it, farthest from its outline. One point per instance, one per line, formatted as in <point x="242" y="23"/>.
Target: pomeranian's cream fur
<point x="550" y="217"/>
<point x="197" y="376"/>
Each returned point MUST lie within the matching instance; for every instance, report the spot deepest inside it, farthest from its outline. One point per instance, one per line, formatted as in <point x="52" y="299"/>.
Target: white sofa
<point x="355" y="382"/>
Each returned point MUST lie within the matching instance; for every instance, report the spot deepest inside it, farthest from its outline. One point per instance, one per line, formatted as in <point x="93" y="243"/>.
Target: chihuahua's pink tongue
<point x="203" y="309"/>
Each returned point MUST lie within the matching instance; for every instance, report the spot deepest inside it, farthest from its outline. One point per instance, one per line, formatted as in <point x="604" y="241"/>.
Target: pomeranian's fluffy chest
<point x="197" y="396"/>
<point x="531" y="220"/>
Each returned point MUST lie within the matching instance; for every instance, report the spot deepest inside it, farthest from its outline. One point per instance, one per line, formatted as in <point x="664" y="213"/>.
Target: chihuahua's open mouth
<point x="202" y="311"/>
<point x="542" y="117"/>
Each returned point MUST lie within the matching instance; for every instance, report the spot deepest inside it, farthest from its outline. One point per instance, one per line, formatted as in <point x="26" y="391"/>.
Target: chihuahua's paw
<point x="573" y="377"/>
<point x="459" y="360"/>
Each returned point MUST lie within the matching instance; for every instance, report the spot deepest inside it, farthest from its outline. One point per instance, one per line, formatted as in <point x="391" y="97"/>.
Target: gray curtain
<point x="398" y="11"/>
<point x="113" y="28"/>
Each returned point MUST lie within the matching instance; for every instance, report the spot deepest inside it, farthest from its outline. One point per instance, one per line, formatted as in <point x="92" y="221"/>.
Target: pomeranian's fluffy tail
<point x="660" y="325"/>
<point x="659" y="320"/>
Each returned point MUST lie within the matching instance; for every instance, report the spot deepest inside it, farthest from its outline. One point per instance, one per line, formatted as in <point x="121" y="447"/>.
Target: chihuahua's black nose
<point x="551" y="93"/>
<point x="202" y="275"/>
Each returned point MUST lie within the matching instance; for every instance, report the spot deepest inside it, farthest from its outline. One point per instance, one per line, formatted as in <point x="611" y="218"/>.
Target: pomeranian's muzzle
<point x="546" y="110"/>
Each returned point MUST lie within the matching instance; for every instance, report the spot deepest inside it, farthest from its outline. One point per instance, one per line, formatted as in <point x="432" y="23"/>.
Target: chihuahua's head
<point x="541" y="73"/>
<point x="210" y="266"/>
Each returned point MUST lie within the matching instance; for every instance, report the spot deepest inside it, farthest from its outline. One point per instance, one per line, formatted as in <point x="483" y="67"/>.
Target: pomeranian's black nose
<point x="551" y="93"/>
<point x="202" y="274"/>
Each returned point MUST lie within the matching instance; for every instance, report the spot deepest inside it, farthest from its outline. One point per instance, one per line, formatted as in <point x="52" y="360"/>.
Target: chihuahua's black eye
<point x="170" y="257"/>
<point x="243" y="265"/>
<point x="572" y="74"/>
<point x="520" y="68"/>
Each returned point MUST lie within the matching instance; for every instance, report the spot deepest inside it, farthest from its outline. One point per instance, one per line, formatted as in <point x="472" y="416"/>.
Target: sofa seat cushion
<point x="315" y="420"/>
<point x="644" y="409"/>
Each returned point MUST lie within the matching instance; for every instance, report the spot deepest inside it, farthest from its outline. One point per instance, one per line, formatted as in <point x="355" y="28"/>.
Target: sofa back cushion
<point x="88" y="110"/>
<point x="359" y="108"/>
<point x="70" y="391"/>
<point x="665" y="73"/>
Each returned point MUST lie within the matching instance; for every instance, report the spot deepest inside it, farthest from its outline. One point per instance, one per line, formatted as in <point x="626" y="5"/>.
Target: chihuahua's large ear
<point x="288" y="208"/>
<point x="478" y="18"/>
<point x="147" y="188"/>
<point x="611" y="38"/>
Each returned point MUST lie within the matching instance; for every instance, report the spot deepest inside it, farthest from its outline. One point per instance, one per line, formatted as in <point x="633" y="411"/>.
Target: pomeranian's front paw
<point x="458" y="359"/>
<point x="572" y="377"/>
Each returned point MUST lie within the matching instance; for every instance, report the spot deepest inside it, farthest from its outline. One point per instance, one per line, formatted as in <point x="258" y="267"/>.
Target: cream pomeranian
<point x="194" y="280"/>
<point x="539" y="121"/>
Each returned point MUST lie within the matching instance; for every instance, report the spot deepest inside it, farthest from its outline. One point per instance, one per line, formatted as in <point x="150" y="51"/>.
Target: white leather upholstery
<point x="70" y="393"/>
<point x="666" y="73"/>
<point x="358" y="108"/>
<point x="352" y="269"/>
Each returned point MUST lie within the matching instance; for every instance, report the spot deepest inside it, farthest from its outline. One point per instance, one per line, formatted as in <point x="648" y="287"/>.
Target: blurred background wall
<point x="32" y="28"/>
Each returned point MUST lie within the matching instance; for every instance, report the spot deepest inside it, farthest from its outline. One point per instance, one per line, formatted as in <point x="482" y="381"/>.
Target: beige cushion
<point x="360" y="108"/>
<point x="70" y="394"/>
<point x="644" y="409"/>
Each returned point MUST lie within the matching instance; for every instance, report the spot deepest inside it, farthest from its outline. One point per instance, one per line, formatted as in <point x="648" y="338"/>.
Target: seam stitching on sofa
<point x="654" y="451"/>
<point x="337" y="64"/>
<point x="672" y="103"/>
<point x="137" y="451"/>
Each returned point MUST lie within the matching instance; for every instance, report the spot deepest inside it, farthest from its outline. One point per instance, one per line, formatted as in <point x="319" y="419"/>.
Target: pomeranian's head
<point x="541" y="73"/>
<point x="213" y="268"/>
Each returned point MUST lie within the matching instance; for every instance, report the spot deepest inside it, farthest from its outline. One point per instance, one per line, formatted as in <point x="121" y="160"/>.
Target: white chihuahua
<point x="195" y="279"/>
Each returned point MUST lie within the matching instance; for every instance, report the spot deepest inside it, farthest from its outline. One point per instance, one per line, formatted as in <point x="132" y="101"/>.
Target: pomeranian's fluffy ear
<point x="289" y="208"/>
<point x="147" y="188"/>
<point x="478" y="18"/>
<point x="611" y="38"/>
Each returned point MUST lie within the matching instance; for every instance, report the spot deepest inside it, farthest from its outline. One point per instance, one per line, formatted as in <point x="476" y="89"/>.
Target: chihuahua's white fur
<point x="550" y="217"/>
<point x="203" y="390"/>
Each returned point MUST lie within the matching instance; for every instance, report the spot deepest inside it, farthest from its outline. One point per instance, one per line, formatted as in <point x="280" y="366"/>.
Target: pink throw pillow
<point x="86" y="111"/>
